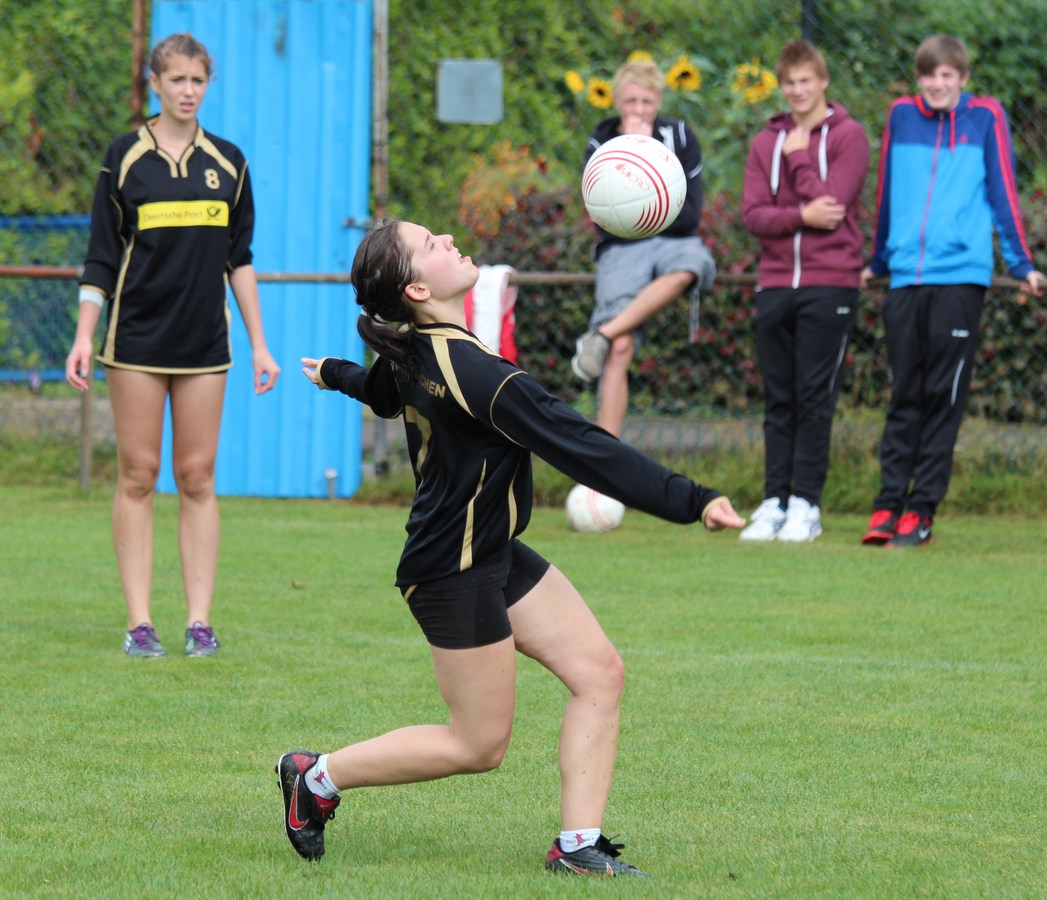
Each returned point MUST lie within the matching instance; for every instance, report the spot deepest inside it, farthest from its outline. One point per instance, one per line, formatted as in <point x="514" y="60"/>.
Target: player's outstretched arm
<point x="720" y="515"/>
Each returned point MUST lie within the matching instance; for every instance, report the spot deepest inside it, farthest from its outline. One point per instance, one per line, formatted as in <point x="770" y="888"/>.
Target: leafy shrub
<point x="64" y="94"/>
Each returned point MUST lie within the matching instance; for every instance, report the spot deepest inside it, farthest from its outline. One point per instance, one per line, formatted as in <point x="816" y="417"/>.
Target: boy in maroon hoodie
<point x="803" y="180"/>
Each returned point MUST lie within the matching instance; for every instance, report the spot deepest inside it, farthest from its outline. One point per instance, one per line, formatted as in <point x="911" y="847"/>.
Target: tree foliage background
<point x="65" y="87"/>
<point x="508" y="191"/>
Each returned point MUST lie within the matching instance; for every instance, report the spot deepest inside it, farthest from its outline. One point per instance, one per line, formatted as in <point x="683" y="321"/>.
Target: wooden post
<point x="139" y="48"/>
<point x="86" y="440"/>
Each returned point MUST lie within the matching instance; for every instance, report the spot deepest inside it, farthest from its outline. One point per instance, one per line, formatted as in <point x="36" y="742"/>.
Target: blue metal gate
<point x="292" y="88"/>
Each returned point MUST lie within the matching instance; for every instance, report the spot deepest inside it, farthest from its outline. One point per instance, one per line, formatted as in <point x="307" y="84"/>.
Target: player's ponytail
<point x="381" y="273"/>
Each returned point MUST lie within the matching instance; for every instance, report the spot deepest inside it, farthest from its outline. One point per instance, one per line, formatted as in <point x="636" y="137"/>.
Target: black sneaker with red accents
<point x="601" y="859"/>
<point x="914" y="530"/>
<point x="305" y="813"/>
<point x="882" y="527"/>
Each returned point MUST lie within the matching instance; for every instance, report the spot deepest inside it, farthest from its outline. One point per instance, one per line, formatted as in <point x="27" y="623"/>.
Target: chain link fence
<point x="509" y="190"/>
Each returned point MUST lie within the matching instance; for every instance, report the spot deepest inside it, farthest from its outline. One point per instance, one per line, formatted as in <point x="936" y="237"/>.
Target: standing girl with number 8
<point x="171" y="232"/>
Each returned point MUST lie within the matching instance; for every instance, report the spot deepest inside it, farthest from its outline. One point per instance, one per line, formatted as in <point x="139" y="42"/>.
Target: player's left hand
<point x="722" y="515"/>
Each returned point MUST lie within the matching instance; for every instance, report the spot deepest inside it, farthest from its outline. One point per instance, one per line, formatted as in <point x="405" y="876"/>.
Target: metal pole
<point x="380" y="113"/>
<point x="380" y="173"/>
<point x="139" y="46"/>
<point x="809" y="25"/>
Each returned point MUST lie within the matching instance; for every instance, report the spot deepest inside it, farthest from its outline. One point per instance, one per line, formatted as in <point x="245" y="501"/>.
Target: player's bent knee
<point x="603" y="677"/>
<point x="614" y="674"/>
<point x="485" y="757"/>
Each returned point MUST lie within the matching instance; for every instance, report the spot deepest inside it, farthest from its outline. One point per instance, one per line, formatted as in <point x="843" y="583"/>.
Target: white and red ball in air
<point x="589" y="511"/>
<point x="634" y="186"/>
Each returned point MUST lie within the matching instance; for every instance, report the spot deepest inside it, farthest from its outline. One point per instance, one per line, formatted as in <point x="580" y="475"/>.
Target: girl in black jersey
<point x="171" y="229"/>
<point x="478" y="593"/>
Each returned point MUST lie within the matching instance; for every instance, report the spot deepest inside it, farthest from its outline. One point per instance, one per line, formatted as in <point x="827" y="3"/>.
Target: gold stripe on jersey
<point x="470" y="522"/>
<point x="446" y="333"/>
<point x="494" y="399"/>
<point x="413" y="417"/>
<point x="513" y="511"/>
<point x="138" y="149"/>
<point x="443" y="360"/>
<point x="109" y="345"/>
<point x="164" y="370"/>
<point x="183" y="214"/>
<point x="228" y="320"/>
<point x="239" y="187"/>
<point x="441" y="349"/>
<point x="183" y="162"/>
<point x="211" y="150"/>
<point x="119" y="214"/>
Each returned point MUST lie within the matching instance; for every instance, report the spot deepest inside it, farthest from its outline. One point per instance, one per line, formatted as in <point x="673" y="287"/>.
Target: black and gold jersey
<point x="165" y="234"/>
<point x="472" y="421"/>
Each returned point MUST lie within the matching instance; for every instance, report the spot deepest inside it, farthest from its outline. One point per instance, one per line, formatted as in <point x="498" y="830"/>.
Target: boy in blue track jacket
<point x="946" y="183"/>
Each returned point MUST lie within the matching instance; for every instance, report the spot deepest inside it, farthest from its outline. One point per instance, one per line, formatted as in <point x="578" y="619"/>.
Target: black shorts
<point x="470" y="609"/>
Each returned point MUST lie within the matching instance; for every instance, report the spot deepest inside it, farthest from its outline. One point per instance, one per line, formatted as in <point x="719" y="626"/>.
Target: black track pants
<point x="801" y="344"/>
<point x="932" y="336"/>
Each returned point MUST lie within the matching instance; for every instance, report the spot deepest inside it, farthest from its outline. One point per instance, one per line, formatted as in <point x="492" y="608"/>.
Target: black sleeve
<point x="374" y="386"/>
<point x="532" y="417"/>
<point x="241" y="223"/>
<point x="105" y="246"/>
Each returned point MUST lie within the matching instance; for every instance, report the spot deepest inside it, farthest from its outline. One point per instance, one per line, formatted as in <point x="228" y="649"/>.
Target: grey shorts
<point x="623" y="270"/>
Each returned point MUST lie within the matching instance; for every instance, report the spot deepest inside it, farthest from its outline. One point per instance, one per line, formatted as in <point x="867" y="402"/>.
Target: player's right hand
<point x="633" y="124"/>
<point x="722" y="515"/>
<point x="310" y="369"/>
<point x="78" y="365"/>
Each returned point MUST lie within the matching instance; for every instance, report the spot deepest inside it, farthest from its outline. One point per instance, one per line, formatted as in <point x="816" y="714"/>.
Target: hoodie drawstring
<point x="776" y="163"/>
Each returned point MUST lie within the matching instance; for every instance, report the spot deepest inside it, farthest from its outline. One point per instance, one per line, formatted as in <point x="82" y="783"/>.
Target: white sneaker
<point x="765" y="523"/>
<point x="803" y="522"/>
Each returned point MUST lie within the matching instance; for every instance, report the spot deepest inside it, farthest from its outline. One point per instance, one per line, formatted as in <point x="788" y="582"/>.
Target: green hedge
<point x="869" y="48"/>
<point x="509" y="191"/>
<point x="65" y="87"/>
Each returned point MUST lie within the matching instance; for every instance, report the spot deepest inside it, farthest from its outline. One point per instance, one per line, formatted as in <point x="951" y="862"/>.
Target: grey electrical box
<point x="469" y="91"/>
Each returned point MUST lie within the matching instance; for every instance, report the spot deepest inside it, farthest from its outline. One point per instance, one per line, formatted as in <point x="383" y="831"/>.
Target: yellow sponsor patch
<point x="183" y="214"/>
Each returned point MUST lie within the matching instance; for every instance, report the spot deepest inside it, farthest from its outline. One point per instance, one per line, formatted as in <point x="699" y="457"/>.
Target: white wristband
<point x="91" y="295"/>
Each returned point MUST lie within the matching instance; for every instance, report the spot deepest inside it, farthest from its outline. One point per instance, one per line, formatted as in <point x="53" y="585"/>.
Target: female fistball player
<point x="171" y="227"/>
<point x="479" y="594"/>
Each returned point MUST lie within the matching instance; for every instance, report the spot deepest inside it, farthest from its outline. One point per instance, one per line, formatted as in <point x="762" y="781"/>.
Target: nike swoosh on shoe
<point x="292" y="815"/>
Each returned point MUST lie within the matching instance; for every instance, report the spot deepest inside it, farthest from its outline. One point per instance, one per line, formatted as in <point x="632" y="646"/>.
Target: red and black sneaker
<point x="305" y="813"/>
<point x="601" y="859"/>
<point x="882" y="527"/>
<point x="914" y="530"/>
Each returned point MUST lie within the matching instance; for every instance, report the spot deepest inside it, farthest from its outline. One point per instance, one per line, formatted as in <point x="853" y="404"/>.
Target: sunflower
<point x="683" y="76"/>
<point x="753" y="83"/>
<point x="575" y="83"/>
<point x="599" y="93"/>
<point x="639" y="56"/>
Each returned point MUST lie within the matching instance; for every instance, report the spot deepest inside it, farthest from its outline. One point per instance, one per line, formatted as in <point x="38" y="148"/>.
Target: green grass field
<point x="820" y="720"/>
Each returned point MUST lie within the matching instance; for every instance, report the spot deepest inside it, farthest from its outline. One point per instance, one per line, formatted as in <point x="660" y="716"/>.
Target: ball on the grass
<point x="634" y="186"/>
<point x="589" y="511"/>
